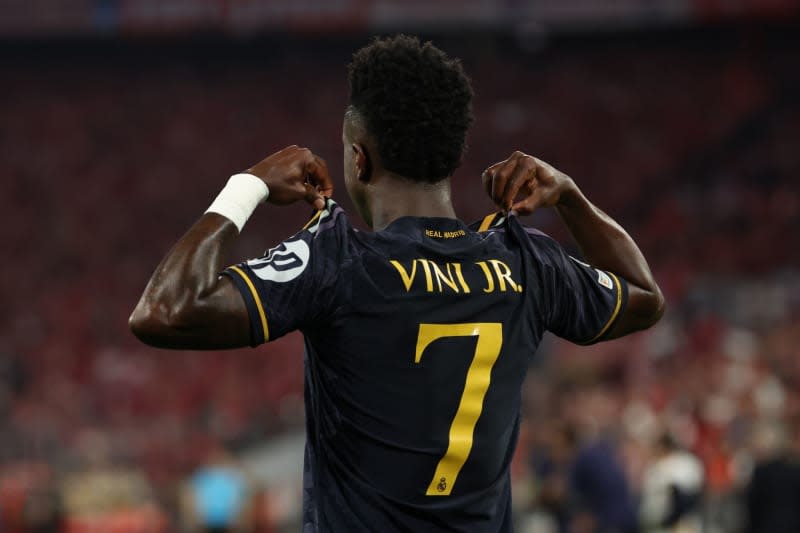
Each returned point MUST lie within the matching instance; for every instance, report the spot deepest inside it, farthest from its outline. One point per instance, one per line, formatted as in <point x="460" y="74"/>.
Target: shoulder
<point x="535" y="242"/>
<point x="325" y="232"/>
<point x="327" y="222"/>
<point x="318" y="243"/>
<point x="499" y="222"/>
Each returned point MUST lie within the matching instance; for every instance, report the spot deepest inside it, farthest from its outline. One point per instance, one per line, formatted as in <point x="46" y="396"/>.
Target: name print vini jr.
<point x="494" y="276"/>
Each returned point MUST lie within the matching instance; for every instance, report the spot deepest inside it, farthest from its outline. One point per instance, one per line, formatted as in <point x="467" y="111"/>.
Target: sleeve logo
<point x="605" y="280"/>
<point x="283" y="263"/>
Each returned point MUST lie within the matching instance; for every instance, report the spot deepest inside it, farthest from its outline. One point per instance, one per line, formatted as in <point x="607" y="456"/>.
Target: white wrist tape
<point x="239" y="198"/>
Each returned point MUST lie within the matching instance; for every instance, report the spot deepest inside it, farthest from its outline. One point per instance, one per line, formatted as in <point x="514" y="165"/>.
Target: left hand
<point x="523" y="183"/>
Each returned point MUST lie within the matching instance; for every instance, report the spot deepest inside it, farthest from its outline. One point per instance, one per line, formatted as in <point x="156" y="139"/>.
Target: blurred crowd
<point x="689" y="141"/>
<point x="670" y="440"/>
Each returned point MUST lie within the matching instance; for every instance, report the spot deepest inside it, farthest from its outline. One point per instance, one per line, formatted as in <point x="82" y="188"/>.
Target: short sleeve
<point x="581" y="303"/>
<point x="293" y="284"/>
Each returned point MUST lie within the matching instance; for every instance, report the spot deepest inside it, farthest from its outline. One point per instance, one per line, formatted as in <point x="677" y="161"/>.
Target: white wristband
<point x="239" y="198"/>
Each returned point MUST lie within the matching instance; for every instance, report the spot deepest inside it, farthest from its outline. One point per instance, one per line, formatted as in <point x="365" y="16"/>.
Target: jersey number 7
<point x="487" y="349"/>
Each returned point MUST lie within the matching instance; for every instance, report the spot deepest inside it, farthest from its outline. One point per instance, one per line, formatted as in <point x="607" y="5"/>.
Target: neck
<point x="391" y="197"/>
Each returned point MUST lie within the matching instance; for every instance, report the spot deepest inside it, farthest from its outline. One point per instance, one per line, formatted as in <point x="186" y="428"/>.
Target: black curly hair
<point x="416" y="103"/>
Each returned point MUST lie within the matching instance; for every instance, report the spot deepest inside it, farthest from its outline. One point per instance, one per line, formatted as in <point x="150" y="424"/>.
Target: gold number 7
<point x="490" y="341"/>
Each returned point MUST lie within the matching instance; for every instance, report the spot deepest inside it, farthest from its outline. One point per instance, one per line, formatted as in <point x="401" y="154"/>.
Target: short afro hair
<point x="416" y="103"/>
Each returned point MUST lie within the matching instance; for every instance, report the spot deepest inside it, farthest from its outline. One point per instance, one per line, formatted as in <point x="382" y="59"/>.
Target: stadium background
<point x="120" y="120"/>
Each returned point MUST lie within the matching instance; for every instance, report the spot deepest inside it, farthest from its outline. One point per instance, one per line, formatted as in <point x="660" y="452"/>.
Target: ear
<point x="362" y="162"/>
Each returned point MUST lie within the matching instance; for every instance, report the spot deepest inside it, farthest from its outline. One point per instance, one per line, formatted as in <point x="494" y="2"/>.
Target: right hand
<point x="294" y="174"/>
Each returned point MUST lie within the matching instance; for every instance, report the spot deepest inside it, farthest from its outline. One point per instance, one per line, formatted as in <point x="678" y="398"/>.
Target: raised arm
<point x="187" y="304"/>
<point x="524" y="183"/>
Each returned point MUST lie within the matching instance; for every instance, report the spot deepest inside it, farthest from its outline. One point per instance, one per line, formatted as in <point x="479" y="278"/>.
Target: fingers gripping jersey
<point x="417" y="341"/>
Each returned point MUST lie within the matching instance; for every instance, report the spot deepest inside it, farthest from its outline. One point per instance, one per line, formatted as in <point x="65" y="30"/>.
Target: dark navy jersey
<point x="417" y="342"/>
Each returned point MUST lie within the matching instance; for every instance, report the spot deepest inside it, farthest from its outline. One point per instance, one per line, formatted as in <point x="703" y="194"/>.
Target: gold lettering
<point x="428" y="277"/>
<point x="504" y="274"/>
<point x="441" y="277"/>
<point x="451" y="276"/>
<point x="444" y="234"/>
<point x="460" y="277"/>
<point x="407" y="279"/>
<point x="488" y="273"/>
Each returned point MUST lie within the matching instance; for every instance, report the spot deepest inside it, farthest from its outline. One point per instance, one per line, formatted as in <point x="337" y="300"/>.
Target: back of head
<point x="416" y="104"/>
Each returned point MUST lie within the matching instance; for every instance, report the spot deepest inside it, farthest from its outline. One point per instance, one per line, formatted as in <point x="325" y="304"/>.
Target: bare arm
<point x="524" y="183"/>
<point x="186" y="304"/>
<point x="606" y="245"/>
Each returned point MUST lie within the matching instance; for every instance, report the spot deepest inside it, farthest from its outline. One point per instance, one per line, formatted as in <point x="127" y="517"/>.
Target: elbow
<point x="644" y="309"/>
<point x="147" y="326"/>
<point x="155" y="325"/>
<point x="655" y="308"/>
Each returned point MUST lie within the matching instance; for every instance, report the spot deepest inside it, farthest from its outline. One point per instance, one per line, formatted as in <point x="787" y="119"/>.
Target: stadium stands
<point x="105" y="164"/>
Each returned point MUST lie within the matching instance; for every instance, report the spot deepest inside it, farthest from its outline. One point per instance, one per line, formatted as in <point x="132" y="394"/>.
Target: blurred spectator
<point x="583" y="484"/>
<point x="218" y="497"/>
<point x="601" y="490"/>
<point x="43" y="511"/>
<point x="21" y="484"/>
<point x="106" y="496"/>
<point x="773" y="495"/>
<point x="671" y="490"/>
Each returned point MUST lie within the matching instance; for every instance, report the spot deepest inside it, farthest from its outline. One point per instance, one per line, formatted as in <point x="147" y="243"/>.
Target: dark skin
<point x="523" y="183"/>
<point x="187" y="305"/>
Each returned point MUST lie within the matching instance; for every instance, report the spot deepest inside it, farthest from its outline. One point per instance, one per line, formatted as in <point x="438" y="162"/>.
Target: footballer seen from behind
<point x="418" y="334"/>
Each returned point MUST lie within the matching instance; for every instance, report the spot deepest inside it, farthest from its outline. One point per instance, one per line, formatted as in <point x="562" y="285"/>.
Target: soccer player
<point x="418" y="334"/>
